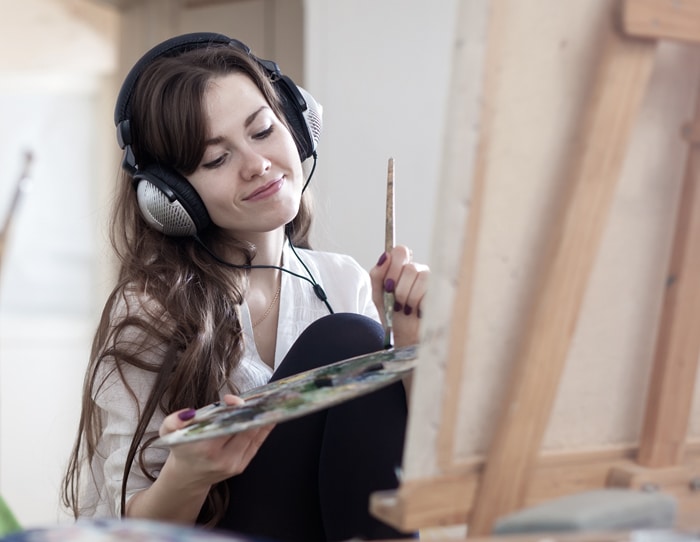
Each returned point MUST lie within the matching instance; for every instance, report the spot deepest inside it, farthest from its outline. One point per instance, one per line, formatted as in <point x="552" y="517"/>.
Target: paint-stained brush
<point x="388" y="245"/>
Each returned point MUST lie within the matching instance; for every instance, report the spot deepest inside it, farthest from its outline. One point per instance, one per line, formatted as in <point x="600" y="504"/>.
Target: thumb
<point x="176" y="420"/>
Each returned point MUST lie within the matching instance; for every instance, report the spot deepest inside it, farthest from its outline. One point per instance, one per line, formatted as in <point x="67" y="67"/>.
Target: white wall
<point x="55" y="60"/>
<point x="50" y="276"/>
<point x="380" y="69"/>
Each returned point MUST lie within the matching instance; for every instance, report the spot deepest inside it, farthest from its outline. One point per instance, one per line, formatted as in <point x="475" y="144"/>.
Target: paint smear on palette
<point x="298" y="395"/>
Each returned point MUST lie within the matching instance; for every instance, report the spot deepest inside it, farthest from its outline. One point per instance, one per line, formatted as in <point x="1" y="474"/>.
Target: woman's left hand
<point x="396" y="272"/>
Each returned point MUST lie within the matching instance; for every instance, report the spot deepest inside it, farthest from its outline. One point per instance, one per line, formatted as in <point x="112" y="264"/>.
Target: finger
<point x="403" y="288"/>
<point x="400" y="256"/>
<point x="377" y="274"/>
<point x="419" y="288"/>
<point x="242" y="447"/>
<point x="176" y="420"/>
<point x="232" y="400"/>
<point x="411" y="288"/>
<point x="257" y="439"/>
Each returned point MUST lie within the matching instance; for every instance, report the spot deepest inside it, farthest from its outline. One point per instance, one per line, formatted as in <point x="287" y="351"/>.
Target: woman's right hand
<point x="183" y="484"/>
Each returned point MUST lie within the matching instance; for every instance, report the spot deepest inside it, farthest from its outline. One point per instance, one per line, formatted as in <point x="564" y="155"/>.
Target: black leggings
<point x="312" y="478"/>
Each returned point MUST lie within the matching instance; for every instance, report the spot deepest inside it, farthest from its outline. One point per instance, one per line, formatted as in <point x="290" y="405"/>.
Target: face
<point x="250" y="178"/>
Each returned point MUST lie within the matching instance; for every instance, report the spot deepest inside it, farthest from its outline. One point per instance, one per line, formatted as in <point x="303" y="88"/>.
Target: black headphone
<point x="168" y="202"/>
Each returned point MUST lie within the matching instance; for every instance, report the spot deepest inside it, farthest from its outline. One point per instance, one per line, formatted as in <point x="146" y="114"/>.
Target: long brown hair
<point x="171" y="297"/>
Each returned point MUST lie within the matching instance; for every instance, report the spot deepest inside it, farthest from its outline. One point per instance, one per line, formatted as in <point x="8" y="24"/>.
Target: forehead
<point x="232" y="96"/>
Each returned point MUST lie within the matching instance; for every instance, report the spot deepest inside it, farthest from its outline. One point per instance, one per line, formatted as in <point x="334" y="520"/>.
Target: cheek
<point x="291" y="151"/>
<point x="300" y="172"/>
<point x="212" y="193"/>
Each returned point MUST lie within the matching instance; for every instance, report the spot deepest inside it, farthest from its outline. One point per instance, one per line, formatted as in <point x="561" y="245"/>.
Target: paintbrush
<point x="388" y="246"/>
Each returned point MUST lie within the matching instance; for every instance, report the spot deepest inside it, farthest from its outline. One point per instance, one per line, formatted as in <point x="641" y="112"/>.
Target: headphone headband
<point x="171" y="47"/>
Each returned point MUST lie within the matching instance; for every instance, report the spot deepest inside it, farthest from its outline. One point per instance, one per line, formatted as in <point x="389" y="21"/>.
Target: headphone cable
<point x="318" y="289"/>
<point x="311" y="174"/>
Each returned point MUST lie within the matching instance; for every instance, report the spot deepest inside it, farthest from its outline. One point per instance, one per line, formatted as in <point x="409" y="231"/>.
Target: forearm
<point x="170" y="498"/>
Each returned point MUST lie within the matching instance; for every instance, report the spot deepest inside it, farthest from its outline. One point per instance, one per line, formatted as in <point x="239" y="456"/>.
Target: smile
<point x="266" y="190"/>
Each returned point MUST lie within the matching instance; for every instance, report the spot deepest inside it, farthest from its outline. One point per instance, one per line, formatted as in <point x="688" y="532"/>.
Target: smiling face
<point x="250" y="177"/>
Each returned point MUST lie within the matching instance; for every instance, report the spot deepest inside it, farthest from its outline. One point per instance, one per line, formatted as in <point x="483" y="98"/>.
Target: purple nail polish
<point x="407" y="310"/>
<point x="398" y="307"/>
<point x="381" y="259"/>
<point x="187" y="414"/>
<point x="389" y="285"/>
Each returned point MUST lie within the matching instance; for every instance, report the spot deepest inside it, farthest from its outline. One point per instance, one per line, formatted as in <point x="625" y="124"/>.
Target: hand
<point x="191" y="469"/>
<point x="207" y="462"/>
<point x="397" y="272"/>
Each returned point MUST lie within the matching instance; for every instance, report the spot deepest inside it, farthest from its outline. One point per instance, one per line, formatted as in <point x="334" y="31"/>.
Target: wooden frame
<point x="514" y="472"/>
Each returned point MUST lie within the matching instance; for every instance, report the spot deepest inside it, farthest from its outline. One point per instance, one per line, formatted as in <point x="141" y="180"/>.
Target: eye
<point x="218" y="161"/>
<point x="265" y="133"/>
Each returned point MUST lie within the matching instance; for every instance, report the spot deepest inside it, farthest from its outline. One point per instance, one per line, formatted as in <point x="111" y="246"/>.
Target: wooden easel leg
<point x="662" y="462"/>
<point x="672" y="383"/>
<point x="617" y="94"/>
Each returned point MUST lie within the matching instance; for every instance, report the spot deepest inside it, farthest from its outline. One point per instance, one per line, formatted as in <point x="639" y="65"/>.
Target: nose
<point x="254" y="164"/>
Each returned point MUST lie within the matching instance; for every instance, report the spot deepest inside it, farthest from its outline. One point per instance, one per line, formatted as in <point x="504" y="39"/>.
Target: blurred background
<point x="379" y="67"/>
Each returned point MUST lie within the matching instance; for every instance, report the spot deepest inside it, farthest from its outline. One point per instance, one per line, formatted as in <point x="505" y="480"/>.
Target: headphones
<point x="167" y="201"/>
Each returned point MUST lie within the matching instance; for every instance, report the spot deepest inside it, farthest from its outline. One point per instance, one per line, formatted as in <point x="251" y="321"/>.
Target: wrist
<point x="174" y="496"/>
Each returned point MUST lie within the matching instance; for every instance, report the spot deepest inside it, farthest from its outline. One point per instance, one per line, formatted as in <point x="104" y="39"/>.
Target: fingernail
<point x="407" y="310"/>
<point x="389" y="285"/>
<point x="187" y="414"/>
<point x="397" y="306"/>
<point x="381" y="259"/>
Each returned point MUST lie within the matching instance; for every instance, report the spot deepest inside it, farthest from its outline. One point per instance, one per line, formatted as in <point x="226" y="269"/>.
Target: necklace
<point x="272" y="304"/>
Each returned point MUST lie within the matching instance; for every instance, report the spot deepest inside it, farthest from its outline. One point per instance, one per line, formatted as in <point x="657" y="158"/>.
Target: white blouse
<point x="348" y="288"/>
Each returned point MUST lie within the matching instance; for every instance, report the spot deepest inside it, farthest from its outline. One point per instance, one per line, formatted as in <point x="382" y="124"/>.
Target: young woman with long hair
<point x="220" y="292"/>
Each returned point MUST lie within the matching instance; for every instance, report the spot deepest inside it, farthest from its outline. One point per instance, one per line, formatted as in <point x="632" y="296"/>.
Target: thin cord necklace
<point x="272" y="304"/>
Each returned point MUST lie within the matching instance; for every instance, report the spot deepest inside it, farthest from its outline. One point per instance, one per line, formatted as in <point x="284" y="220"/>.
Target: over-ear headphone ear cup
<point x="169" y="203"/>
<point x="313" y="118"/>
<point x="303" y="114"/>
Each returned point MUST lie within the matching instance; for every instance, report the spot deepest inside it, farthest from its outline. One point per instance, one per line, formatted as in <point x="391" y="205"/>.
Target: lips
<point x="267" y="190"/>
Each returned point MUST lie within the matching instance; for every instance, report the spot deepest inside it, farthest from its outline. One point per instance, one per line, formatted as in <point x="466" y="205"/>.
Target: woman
<point x="219" y="293"/>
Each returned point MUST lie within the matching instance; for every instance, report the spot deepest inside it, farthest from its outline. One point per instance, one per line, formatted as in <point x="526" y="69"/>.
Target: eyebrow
<point x="251" y="117"/>
<point x="248" y="121"/>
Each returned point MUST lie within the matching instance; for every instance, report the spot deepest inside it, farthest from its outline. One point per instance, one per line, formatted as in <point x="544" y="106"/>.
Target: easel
<point x="514" y="472"/>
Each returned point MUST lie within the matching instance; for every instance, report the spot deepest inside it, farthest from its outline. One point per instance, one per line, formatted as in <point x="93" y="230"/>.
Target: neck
<point x="265" y="282"/>
<point x="269" y="248"/>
